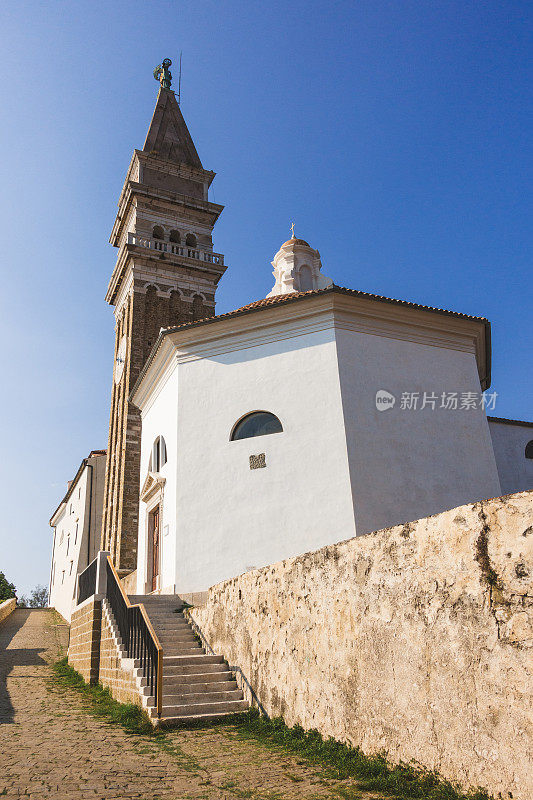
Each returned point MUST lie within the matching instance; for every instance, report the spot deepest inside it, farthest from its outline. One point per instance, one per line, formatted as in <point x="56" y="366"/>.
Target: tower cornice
<point x="134" y="256"/>
<point x="134" y="189"/>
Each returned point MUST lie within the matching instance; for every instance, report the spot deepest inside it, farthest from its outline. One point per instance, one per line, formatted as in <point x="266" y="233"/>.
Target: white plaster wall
<point x="81" y="537"/>
<point x="160" y="419"/>
<point x="231" y="518"/>
<point x="67" y="553"/>
<point x="408" y="464"/>
<point x="509" y="442"/>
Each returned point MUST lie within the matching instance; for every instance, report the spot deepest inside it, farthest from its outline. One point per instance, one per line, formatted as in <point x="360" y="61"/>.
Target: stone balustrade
<point x="175" y="249"/>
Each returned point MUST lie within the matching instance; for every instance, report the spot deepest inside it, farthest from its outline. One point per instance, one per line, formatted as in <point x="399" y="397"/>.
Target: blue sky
<point x="397" y="136"/>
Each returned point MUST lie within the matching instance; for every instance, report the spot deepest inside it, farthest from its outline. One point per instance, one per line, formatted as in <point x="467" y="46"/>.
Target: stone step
<point x="176" y="648"/>
<point x="200" y="682"/>
<point x="170" y="621"/>
<point x="179" y="652"/>
<point x="172" y="670"/>
<point x="197" y="709"/>
<point x="201" y="697"/>
<point x="172" y="626"/>
<point x="174" y="635"/>
<point x="155" y="598"/>
<point x="201" y="658"/>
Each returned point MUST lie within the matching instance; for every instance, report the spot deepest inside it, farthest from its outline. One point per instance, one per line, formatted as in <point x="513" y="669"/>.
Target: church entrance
<point x="153" y="533"/>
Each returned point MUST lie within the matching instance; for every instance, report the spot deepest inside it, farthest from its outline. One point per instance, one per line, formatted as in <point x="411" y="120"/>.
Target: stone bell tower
<point x="166" y="274"/>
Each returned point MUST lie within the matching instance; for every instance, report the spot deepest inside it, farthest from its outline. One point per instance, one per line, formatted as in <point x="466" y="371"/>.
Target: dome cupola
<point x="297" y="268"/>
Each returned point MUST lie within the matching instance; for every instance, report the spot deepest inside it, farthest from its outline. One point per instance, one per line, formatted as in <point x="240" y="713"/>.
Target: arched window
<point x="529" y="449"/>
<point x="197" y="307"/>
<point x="258" y="423"/>
<point x="158" y="232"/>
<point x="306" y="278"/>
<point x="190" y="240"/>
<point x="174" y="237"/>
<point x="158" y="457"/>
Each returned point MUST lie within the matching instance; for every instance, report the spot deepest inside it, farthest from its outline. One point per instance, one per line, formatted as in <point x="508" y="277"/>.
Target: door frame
<point x="154" y="559"/>
<point x="152" y="494"/>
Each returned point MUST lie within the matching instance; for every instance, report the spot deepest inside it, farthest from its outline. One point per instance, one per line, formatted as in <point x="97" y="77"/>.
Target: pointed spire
<point x="168" y="136"/>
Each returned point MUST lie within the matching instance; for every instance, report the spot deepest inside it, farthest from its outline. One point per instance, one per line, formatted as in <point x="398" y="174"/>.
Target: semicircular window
<point x="529" y="449"/>
<point x="258" y="423"/>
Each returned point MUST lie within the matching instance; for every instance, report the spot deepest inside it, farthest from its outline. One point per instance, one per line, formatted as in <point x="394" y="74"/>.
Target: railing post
<point x="101" y="575"/>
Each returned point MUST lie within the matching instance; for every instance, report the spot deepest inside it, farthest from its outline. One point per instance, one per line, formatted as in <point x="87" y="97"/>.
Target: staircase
<point x="196" y="686"/>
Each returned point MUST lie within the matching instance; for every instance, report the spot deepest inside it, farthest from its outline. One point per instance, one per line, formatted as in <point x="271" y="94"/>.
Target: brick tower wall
<point x="142" y="316"/>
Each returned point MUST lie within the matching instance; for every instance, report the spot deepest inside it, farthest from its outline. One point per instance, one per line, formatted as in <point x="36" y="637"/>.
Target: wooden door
<point x="154" y="526"/>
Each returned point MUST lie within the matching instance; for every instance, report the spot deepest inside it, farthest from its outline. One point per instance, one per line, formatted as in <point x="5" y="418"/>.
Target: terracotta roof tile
<point x="282" y="299"/>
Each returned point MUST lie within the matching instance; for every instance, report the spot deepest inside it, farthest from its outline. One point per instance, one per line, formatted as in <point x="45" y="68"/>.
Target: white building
<point x="303" y="419"/>
<point x="77" y="524"/>
<point x="513" y="447"/>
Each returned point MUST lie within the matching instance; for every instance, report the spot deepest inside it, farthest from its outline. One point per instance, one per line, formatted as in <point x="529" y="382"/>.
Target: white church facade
<point x="270" y="431"/>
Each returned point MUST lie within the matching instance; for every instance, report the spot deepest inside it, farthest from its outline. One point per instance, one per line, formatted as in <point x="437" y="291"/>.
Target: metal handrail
<point x="137" y="633"/>
<point x="87" y="581"/>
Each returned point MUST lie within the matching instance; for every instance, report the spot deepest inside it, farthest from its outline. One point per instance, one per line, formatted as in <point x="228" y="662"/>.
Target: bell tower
<point x="166" y="274"/>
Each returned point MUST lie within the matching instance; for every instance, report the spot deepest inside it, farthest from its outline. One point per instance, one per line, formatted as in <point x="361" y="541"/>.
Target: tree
<point x="7" y="589"/>
<point x="37" y="599"/>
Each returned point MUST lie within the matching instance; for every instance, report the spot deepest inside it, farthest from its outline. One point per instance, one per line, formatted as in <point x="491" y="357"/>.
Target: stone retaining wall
<point x="7" y="607"/>
<point x="84" y="644"/>
<point x="416" y="640"/>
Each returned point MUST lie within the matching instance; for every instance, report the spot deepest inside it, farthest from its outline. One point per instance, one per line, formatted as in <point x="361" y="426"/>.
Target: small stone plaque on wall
<point x="257" y="462"/>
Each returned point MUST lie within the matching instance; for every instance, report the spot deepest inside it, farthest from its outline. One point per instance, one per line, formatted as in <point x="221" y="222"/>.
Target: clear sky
<point x="397" y="136"/>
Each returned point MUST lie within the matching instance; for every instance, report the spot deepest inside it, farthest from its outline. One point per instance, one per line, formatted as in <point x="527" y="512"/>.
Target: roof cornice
<point x="517" y="422"/>
<point x="74" y="481"/>
<point x="476" y="329"/>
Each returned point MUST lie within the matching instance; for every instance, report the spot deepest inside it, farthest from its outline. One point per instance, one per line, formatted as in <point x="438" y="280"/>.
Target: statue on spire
<point x="162" y="73"/>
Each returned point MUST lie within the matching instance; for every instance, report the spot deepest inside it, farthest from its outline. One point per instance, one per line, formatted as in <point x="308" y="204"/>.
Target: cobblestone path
<point x="51" y="748"/>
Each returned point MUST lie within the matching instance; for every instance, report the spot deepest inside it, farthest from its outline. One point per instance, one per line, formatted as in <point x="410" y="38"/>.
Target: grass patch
<point x="341" y="761"/>
<point x="99" y="702"/>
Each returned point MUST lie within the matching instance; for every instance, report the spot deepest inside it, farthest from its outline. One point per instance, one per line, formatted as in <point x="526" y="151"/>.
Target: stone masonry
<point x="416" y="640"/>
<point x="119" y="681"/>
<point x="94" y="653"/>
<point x="84" y="644"/>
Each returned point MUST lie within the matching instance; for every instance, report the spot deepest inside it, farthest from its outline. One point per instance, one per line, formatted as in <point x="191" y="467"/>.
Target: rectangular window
<point x="71" y="565"/>
<point x="76" y="532"/>
<point x="63" y="577"/>
<point x="68" y="543"/>
<point x="79" y="493"/>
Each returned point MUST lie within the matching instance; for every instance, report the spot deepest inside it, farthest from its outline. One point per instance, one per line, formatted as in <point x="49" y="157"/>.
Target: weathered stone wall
<point x="120" y="681"/>
<point x="84" y="644"/>
<point x="129" y="582"/>
<point x="416" y="640"/>
<point x="7" y="607"/>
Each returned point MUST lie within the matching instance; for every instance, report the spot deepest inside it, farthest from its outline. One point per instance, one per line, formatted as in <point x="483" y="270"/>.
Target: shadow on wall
<point x="13" y="658"/>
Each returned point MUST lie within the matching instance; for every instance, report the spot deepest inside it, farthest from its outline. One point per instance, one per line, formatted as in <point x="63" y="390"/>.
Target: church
<point x="305" y="418"/>
<point x="305" y="504"/>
